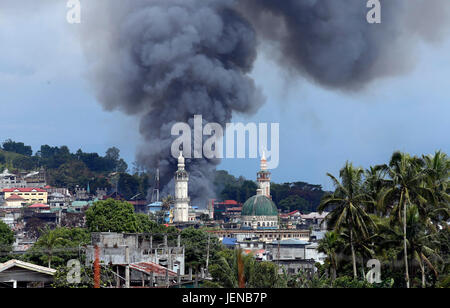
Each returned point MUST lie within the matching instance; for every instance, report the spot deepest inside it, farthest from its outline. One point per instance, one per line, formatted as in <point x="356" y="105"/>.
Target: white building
<point x="263" y="177"/>
<point x="182" y="201"/>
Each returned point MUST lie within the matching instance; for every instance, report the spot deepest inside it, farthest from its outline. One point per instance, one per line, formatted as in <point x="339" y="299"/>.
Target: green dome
<point x="259" y="205"/>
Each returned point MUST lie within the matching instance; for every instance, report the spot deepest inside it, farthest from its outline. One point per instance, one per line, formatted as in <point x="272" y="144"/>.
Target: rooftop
<point x="15" y="197"/>
<point x="28" y="266"/>
<point x="25" y="189"/>
<point x="291" y="242"/>
<point x="151" y="267"/>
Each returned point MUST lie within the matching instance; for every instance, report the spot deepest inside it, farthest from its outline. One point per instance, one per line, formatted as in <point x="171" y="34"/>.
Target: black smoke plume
<point x="168" y="60"/>
<point x="332" y="43"/>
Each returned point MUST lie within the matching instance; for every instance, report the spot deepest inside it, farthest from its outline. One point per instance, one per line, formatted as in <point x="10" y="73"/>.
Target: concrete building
<point x="58" y="200"/>
<point x="146" y="274"/>
<point x="81" y="194"/>
<point x="262" y="235"/>
<point x="10" y="180"/>
<point x="291" y="255"/>
<point x="315" y="221"/>
<point x="182" y="201"/>
<point x="35" y="179"/>
<point x="119" y="249"/>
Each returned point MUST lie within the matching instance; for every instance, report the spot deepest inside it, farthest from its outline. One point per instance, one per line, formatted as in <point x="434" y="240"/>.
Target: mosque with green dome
<point x="259" y="212"/>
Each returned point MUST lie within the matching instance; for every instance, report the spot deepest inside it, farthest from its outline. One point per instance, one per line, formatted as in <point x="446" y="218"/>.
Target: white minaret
<point x="181" y="208"/>
<point x="264" y="178"/>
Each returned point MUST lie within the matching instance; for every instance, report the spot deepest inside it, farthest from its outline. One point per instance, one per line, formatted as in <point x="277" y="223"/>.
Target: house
<point x="39" y="207"/>
<point x="19" y="274"/>
<point x="315" y="220"/>
<point x="15" y="201"/>
<point x="30" y="194"/>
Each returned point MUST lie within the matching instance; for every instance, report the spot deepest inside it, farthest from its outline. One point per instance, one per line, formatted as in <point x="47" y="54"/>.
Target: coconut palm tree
<point x="419" y="243"/>
<point x="348" y="200"/>
<point x="49" y="241"/>
<point x="167" y="202"/>
<point x="437" y="170"/>
<point x="329" y="245"/>
<point x="375" y="181"/>
<point x="405" y="187"/>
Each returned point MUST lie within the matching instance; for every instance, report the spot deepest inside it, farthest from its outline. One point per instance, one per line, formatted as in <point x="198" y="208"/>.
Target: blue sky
<point x="46" y="99"/>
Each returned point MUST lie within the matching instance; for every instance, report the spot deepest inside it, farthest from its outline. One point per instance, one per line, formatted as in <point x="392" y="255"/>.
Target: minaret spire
<point x="182" y="201"/>
<point x="264" y="178"/>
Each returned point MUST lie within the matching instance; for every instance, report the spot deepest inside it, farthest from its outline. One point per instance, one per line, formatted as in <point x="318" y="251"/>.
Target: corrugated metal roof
<point x="151" y="267"/>
<point x="291" y="242"/>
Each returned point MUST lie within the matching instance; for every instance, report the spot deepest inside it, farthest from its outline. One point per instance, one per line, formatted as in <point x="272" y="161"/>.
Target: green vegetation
<point x="396" y="213"/>
<point x="66" y="169"/>
<point x="6" y="241"/>
<point x="232" y="269"/>
<point x="56" y="247"/>
<point x="288" y="196"/>
<point x="113" y="216"/>
<point x="196" y="246"/>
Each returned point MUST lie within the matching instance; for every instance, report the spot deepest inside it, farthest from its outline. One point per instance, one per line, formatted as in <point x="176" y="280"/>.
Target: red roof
<point x="26" y="189"/>
<point x="150" y="267"/>
<point x="15" y="197"/>
<point x="138" y="202"/>
<point x="230" y="202"/>
<point x="38" y="206"/>
<point x="227" y="202"/>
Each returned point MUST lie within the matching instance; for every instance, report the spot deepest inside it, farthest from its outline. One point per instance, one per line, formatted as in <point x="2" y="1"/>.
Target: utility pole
<point x="127" y="267"/>
<point x="278" y="253"/>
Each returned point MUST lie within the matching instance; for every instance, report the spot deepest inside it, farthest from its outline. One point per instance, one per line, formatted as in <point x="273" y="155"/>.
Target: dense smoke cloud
<point x="167" y="60"/>
<point x="332" y="43"/>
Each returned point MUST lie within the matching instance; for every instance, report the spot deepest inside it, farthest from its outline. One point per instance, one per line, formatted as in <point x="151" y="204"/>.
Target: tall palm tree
<point x="348" y="201"/>
<point x="419" y="243"/>
<point x="328" y="245"/>
<point x="405" y="186"/>
<point x="375" y="181"/>
<point x="167" y="202"/>
<point x="49" y="241"/>
<point x="437" y="169"/>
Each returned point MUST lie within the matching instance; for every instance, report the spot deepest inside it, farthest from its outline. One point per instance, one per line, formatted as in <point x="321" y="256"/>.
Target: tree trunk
<point x="334" y="270"/>
<point x="355" y="274"/>
<point x="405" y="248"/>
<point x="422" y="269"/>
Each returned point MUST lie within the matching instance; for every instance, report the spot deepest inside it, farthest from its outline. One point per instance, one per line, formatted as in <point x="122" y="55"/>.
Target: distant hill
<point x="288" y="197"/>
<point x="10" y="156"/>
